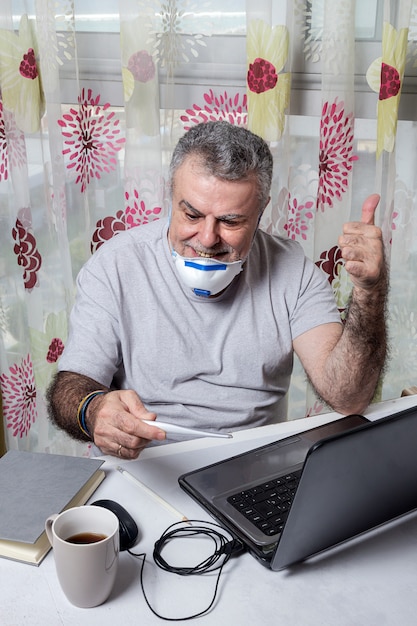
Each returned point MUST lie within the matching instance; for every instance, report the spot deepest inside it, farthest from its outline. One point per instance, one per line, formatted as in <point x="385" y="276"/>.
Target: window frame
<point x="103" y="73"/>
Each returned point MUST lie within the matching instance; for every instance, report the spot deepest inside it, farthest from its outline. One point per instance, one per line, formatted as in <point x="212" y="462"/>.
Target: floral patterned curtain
<point x="78" y="166"/>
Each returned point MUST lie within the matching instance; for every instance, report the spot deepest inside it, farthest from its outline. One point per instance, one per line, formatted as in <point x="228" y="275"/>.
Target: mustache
<point x="215" y="250"/>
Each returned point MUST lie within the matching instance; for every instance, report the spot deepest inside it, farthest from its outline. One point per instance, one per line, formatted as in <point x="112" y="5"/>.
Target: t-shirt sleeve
<point x="315" y="303"/>
<point x="93" y="344"/>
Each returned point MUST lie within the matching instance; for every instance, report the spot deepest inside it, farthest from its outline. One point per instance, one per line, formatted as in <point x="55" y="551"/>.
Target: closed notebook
<point x="34" y="485"/>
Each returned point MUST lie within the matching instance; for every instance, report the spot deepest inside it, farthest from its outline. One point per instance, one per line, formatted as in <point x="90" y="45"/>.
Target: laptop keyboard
<point x="267" y="505"/>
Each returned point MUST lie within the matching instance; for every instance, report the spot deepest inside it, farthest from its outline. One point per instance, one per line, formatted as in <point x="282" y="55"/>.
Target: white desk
<point x="368" y="581"/>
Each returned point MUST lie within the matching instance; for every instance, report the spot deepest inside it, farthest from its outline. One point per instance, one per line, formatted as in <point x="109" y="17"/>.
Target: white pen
<point x="152" y="493"/>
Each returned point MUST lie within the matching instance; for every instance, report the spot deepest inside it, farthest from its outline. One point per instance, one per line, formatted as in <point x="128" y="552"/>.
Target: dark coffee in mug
<point x="87" y="570"/>
<point x="86" y="538"/>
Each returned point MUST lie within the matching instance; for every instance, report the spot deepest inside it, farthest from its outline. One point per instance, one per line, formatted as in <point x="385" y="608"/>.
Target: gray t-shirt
<point x="221" y="363"/>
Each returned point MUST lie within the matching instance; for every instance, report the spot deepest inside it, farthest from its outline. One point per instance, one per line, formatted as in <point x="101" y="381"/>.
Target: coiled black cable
<point x="225" y="545"/>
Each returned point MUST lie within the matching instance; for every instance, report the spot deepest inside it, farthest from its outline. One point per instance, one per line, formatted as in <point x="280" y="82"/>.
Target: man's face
<point x="212" y="217"/>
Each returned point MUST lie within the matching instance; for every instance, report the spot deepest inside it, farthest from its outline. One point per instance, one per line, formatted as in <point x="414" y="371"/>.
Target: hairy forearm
<point x="355" y="364"/>
<point x="64" y="396"/>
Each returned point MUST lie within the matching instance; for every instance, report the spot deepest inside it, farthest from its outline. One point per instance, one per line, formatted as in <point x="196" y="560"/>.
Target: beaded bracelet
<point x="82" y="409"/>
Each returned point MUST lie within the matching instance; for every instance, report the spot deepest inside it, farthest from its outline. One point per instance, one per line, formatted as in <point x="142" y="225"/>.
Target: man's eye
<point x="191" y="216"/>
<point x="230" y="223"/>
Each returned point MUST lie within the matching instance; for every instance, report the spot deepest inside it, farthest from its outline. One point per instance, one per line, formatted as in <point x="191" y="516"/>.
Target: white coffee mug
<point x="86" y="570"/>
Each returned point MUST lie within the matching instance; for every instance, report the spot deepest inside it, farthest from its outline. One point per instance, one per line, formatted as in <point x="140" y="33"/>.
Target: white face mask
<point x="206" y="277"/>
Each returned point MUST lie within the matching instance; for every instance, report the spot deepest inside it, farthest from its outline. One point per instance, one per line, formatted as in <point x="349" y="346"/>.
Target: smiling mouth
<point x="217" y="254"/>
<point x="205" y="255"/>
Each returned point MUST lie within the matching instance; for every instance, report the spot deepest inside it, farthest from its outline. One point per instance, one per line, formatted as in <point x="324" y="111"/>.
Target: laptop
<point x="324" y="486"/>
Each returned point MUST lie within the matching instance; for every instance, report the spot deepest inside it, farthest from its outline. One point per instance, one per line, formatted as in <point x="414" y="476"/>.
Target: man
<point x="195" y="320"/>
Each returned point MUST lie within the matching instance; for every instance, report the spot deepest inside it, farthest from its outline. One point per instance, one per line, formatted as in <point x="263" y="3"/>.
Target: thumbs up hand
<point x="362" y="248"/>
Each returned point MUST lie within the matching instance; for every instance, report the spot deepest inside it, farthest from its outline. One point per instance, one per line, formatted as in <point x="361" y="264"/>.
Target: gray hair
<point x="227" y="152"/>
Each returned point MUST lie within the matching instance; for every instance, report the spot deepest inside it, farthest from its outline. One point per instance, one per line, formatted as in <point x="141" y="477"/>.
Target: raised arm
<point x="112" y="419"/>
<point x="344" y="364"/>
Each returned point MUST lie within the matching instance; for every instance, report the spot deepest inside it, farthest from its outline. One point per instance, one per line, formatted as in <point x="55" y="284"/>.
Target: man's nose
<point x="209" y="234"/>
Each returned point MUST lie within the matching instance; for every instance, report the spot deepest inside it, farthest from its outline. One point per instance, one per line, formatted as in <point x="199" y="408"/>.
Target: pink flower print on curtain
<point x="142" y="66"/>
<point x="28" y="256"/>
<point x="12" y="143"/>
<point x="47" y="345"/>
<point x="4" y="160"/>
<point x="390" y="82"/>
<point x="19" y="77"/>
<point x="299" y="216"/>
<point x="261" y="76"/>
<point x="332" y="264"/>
<point x="336" y="153"/>
<point x="106" y="228"/>
<point x="318" y="407"/>
<point x="385" y="76"/>
<point x="19" y="397"/>
<point x="229" y="107"/>
<point x="268" y="89"/>
<point x="55" y="349"/>
<point x="141" y="205"/>
<point x="141" y="69"/>
<point x="92" y="136"/>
